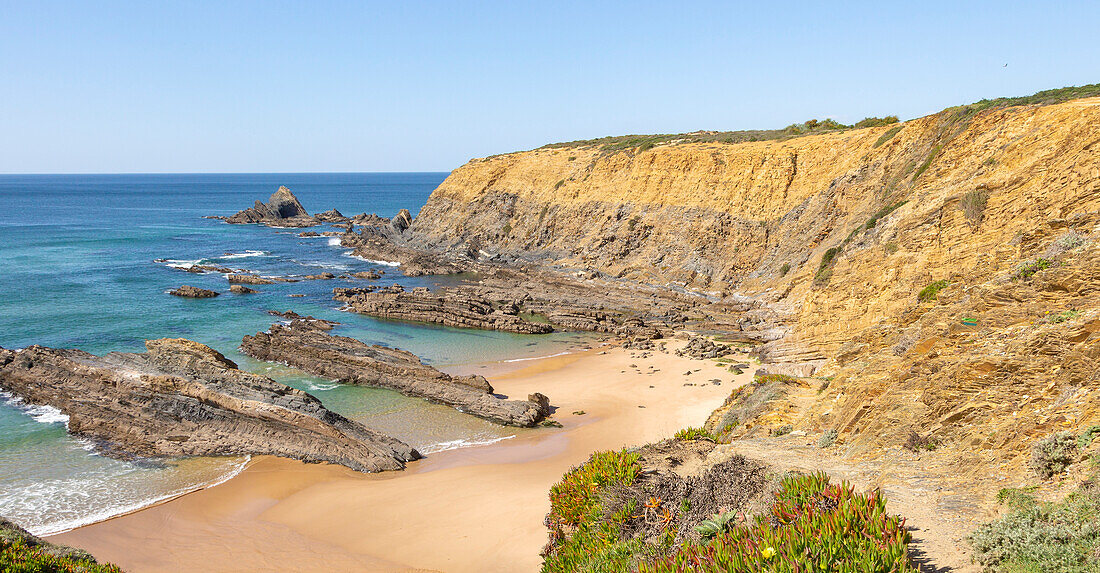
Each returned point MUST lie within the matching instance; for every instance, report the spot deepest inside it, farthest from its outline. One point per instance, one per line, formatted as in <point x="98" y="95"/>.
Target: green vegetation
<point x="928" y="161"/>
<point x="593" y="542"/>
<point x="559" y="184"/>
<point x="1063" y="316"/>
<point x="876" y="122"/>
<point x="870" y="224"/>
<point x="918" y="443"/>
<point x="783" y="270"/>
<point x="17" y="556"/>
<point x="1027" y="269"/>
<point x="813" y="526"/>
<point x="973" y="205"/>
<point x="1053" y="454"/>
<point x="1061" y="537"/>
<point x="828" y="438"/>
<point x="718" y="523"/>
<point x="1086" y="438"/>
<point x="688" y="434"/>
<point x="1046" y="97"/>
<point x="887" y="136"/>
<point x="929" y="292"/>
<point x="825" y="269"/>
<point x="781" y="430"/>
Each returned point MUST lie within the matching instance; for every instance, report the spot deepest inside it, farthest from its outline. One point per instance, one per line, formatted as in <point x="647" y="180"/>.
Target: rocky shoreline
<point x="305" y="345"/>
<point x="181" y="398"/>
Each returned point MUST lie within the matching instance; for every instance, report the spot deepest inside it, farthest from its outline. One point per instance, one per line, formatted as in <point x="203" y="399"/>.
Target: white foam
<point x="334" y="241"/>
<point x="372" y="261"/>
<point x="245" y="255"/>
<point x="181" y="263"/>
<point x="537" y="357"/>
<point x="460" y="443"/>
<point x="48" y="493"/>
<point x="323" y="387"/>
<point x="40" y="413"/>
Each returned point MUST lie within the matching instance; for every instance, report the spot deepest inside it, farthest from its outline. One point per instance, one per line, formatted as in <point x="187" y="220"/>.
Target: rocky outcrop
<point x="188" y="291"/>
<point x="246" y="279"/>
<point x="331" y="216"/>
<point x="452" y="308"/>
<point x="351" y="361"/>
<point x="281" y="210"/>
<point x="241" y="289"/>
<point x="181" y="398"/>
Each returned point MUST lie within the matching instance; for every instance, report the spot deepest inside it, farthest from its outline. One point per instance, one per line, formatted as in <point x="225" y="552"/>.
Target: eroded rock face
<point x="188" y="291"/>
<point x="181" y="398"/>
<point x="455" y="309"/>
<point x="281" y="210"/>
<point x="304" y="346"/>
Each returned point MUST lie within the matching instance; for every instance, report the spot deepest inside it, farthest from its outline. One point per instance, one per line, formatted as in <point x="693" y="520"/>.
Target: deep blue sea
<point x="78" y="270"/>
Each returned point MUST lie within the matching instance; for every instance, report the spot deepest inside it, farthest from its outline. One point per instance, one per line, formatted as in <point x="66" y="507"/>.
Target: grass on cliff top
<point x="17" y="556"/>
<point x="613" y="144"/>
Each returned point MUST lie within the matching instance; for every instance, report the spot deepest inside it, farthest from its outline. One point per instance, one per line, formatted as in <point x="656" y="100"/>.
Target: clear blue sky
<point x="157" y="86"/>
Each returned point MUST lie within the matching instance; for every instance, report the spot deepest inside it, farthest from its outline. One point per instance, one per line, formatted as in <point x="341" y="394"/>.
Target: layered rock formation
<point x="819" y="248"/>
<point x="181" y="398"/>
<point x="281" y="210"/>
<point x="188" y="291"/>
<point x="304" y="345"/>
<point x="451" y="309"/>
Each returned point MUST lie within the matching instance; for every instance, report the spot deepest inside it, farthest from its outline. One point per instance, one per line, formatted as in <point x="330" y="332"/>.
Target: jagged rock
<point x="331" y="216"/>
<point x="248" y="279"/>
<point x="369" y="275"/>
<point x="402" y="221"/>
<point x="241" y="289"/>
<point x="318" y="323"/>
<point x="702" y="348"/>
<point x="451" y="309"/>
<point x="189" y="291"/>
<point x="181" y="398"/>
<point x="323" y="277"/>
<point x="281" y="210"/>
<point x="354" y="362"/>
<point x="309" y="234"/>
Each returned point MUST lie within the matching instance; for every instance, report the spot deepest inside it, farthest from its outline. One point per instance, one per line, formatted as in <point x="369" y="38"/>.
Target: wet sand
<point x="471" y="509"/>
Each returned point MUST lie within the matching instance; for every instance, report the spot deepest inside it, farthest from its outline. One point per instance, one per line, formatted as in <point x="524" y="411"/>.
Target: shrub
<point x="1087" y="437"/>
<point x="1053" y="454"/>
<point x="824" y="270"/>
<point x="1027" y="269"/>
<point x="876" y="121"/>
<point x="781" y="430"/>
<point x="929" y="292"/>
<point x="688" y="434"/>
<point x="973" y="205"/>
<point x="828" y="438"/>
<point x="928" y="161"/>
<point x="1060" y="317"/>
<point x="783" y="270"/>
<point x="559" y="184"/>
<point x="17" y="556"/>
<point x="1042" y="537"/>
<point x="718" y="523"/>
<point x="813" y="526"/>
<point x="890" y="133"/>
<point x="916" y="443"/>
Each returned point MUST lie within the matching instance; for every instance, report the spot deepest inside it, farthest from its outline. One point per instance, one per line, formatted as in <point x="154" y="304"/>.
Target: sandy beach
<point x="471" y="509"/>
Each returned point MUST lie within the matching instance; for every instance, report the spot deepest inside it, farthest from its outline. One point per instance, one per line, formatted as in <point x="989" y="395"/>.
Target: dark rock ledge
<point x="304" y="345"/>
<point x="181" y="398"/>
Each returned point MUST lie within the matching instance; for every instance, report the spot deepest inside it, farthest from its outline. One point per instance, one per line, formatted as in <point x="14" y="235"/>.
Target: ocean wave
<point x="29" y="503"/>
<point x="537" y="357"/>
<point x="180" y="263"/>
<point x="40" y="413"/>
<point x="460" y="443"/>
<point x="245" y="255"/>
<point x="334" y="241"/>
<point x="372" y="261"/>
<point x="321" y="386"/>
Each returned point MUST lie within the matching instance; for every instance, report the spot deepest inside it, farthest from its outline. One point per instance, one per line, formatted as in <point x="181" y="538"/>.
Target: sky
<point x="191" y="86"/>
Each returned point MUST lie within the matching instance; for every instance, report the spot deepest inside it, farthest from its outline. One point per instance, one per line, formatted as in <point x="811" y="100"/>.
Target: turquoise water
<point x="78" y="272"/>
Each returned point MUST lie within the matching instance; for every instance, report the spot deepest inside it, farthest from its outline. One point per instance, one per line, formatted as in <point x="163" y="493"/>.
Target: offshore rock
<point x="181" y="398"/>
<point x="188" y="291"/>
<point x="281" y="210"/>
<point x="351" y="361"/>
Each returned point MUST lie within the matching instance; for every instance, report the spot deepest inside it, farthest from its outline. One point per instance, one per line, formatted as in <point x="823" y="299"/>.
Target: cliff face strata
<point x="303" y="345"/>
<point x="181" y="398"/>
<point x="820" y="246"/>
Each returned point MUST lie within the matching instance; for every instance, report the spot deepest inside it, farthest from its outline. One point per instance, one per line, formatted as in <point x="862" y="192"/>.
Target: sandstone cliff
<point x="826" y="242"/>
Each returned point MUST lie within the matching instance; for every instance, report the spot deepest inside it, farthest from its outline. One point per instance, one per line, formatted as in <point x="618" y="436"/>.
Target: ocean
<point x="79" y="270"/>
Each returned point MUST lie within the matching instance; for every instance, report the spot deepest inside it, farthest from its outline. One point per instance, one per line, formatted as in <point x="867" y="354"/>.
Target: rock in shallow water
<point x="181" y="398"/>
<point x="188" y="291"/>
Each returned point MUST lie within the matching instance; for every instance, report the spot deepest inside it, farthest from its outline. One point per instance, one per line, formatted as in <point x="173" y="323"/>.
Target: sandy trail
<point x="474" y="509"/>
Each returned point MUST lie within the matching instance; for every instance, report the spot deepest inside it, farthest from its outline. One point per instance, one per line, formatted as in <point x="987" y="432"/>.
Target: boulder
<point x="189" y="291"/>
